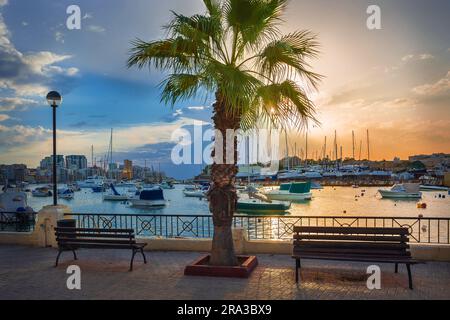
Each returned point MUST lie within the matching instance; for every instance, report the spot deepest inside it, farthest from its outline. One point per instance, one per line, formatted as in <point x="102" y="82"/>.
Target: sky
<point x="394" y="81"/>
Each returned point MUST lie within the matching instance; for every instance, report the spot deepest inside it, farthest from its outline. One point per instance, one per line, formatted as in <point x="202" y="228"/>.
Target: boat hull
<point x="255" y="206"/>
<point x="386" y="194"/>
<point x="147" y="203"/>
<point x="114" y="198"/>
<point x="287" y="196"/>
<point x="194" y="194"/>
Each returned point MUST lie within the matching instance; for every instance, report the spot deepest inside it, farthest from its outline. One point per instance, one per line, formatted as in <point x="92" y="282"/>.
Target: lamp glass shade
<point x="54" y="98"/>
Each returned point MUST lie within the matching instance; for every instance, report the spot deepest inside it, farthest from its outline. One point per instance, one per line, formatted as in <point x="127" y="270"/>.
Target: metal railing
<point x="17" y="221"/>
<point x="422" y="230"/>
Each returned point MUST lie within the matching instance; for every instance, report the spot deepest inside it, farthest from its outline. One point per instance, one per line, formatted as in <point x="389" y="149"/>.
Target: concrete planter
<point x="201" y="268"/>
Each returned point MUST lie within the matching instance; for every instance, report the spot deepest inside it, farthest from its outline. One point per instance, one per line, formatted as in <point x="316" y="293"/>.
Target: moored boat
<point x="402" y="191"/>
<point x="114" y="195"/>
<point x="66" y="194"/>
<point x="258" y="206"/>
<point x="148" y="198"/>
<point x="41" y="192"/>
<point x="433" y="188"/>
<point x="195" y="192"/>
<point x="296" y="191"/>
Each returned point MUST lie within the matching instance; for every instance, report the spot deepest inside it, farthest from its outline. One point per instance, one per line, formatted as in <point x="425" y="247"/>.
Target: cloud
<point x="10" y="104"/>
<point x="3" y="3"/>
<point x="417" y="57"/>
<point x="19" y="135"/>
<point x="59" y="36"/>
<point x="440" y="87"/>
<point x="96" y="29"/>
<point x="202" y="113"/>
<point x="29" y="74"/>
<point x="4" y="117"/>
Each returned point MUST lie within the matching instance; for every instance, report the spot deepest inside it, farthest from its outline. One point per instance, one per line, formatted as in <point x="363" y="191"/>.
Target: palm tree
<point x="236" y="51"/>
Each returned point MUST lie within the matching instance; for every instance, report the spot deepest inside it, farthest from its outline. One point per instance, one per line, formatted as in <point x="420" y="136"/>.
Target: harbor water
<point x="330" y="201"/>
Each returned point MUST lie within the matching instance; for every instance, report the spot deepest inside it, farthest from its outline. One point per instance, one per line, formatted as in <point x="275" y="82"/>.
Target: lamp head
<point x="54" y="99"/>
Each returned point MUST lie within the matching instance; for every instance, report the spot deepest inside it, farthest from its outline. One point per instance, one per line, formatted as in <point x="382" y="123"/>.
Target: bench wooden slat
<point x="100" y="245"/>
<point x="352" y="230"/>
<point x="86" y="240"/>
<point x="351" y="251"/>
<point x="66" y="229"/>
<point x="350" y="244"/>
<point x="358" y="258"/>
<point x="94" y="235"/>
<point x="351" y="237"/>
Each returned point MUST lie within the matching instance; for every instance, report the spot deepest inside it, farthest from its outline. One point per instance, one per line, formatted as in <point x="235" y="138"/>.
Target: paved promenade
<point x="28" y="273"/>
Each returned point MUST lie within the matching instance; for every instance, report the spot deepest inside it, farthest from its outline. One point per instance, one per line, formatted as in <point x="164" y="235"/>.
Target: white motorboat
<point x="114" y="195"/>
<point x="402" y="191"/>
<point x="195" y="192"/>
<point x="424" y="187"/>
<point x="297" y="191"/>
<point x="12" y="200"/>
<point x="41" y="192"/>
<point x="316" y="186"/>
<point x="148" y="198"/>
<point x="74" y="187"/>
<point x="14" y="203"/>
<point x="167" y="185"/>
<point x="91" y="182"/>
<point x="66" y="194"/>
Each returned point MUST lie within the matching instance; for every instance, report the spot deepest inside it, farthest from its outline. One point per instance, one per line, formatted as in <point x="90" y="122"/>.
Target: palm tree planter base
<point x="201" y="268"/>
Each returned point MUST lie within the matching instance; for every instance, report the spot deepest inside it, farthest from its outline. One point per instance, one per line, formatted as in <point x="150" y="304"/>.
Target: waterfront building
<point x="127" y="172"/>
<point x="14" y="172"/>
<point x="76" y="162"/>
<point x="47" y="162"/>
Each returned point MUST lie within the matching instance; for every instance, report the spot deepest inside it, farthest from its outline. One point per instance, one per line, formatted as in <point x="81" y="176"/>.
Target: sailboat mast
<point x="368" y="146"/>
<point x="353" y="143"/>
<point x="306" y="149"/>
<point x="335" y="147"/>
<point x="360" y="149"/>
<point x="287" y="150"/>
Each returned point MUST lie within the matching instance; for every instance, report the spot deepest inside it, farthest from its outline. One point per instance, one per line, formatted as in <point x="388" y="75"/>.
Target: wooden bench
<point x="71" y="239"/>
<point x="383" y="245"/>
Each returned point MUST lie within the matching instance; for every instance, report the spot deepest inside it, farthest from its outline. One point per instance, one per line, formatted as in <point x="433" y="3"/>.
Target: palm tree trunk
<point x="222" y="196"/>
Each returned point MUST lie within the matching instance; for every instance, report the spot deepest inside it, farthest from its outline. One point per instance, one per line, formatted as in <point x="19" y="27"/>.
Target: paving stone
<point x="28" y="273"/>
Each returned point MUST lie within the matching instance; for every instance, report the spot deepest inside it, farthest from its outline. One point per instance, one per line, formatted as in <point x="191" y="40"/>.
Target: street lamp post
<point x="54" y="100"/>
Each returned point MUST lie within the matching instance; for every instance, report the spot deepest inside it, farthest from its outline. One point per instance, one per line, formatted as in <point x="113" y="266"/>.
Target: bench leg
<point x="143" y="255"/>
<point x="57" y="257"/>
<point x="297" y="267"/>
<point x="396" y="268"/>
<point x="132" y="259"/>
<point x="408" y="267"/>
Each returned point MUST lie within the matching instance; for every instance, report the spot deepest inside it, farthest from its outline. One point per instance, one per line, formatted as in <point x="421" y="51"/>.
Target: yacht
<point x="74" y="186"/>
<point x="255" y="203"/>
<point x="91" y="182"/>
<point x="296" y="191"/>
<point x="402" y="191"/>
<point x="148" y="198"/>
<point x="13" y="200"/>
<point x="196" y="192"/>
<point x="42" y="192"/>
<point x="167" y="185"/>
<point x="66" y="194"/>
<point x="114" y="195"/>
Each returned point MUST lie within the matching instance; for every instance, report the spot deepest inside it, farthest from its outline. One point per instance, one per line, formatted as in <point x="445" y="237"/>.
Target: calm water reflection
<point x="339" y="201"/>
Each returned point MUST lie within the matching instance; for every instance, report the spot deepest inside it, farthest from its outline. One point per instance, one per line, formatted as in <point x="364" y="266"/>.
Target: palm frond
<point x="286" y="57"/>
